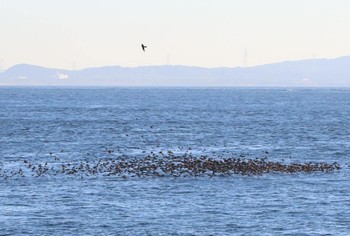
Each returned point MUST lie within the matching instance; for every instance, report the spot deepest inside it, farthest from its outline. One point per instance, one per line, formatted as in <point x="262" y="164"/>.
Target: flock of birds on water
<point x="161" y="164"/>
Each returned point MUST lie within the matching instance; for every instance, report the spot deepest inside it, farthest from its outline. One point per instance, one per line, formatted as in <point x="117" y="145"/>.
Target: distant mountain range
<point x="304" y="73"/>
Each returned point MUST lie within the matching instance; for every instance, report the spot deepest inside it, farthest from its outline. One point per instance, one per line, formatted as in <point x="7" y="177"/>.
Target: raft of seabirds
<point x="169" y="165"/>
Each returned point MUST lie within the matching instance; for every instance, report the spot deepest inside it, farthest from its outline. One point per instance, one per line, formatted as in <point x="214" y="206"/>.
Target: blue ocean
<point x="59" y="146"/>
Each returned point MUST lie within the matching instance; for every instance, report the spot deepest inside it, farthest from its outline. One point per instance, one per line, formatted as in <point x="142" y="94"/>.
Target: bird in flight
<point x="143" y="47"/>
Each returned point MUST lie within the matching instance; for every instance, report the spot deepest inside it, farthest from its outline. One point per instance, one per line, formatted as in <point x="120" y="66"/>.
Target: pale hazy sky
<point x="209" y="33"/>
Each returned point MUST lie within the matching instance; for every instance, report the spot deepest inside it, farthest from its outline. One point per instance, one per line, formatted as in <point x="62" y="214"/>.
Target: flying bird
<point x="143" y="47"/>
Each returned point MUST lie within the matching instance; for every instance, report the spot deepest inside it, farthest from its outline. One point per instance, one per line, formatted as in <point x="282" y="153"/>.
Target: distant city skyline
<point x="224" y="33"/>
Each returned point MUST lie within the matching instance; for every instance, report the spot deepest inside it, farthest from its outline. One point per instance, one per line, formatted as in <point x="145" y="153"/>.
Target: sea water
<point x="69" y="125"/>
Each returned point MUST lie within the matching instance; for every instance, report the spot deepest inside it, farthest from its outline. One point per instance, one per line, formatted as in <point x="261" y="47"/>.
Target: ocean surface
<point x="52" y="126"/>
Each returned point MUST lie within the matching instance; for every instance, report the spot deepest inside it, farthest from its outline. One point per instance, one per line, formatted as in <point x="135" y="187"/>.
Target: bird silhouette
<point x="143" y="47"/>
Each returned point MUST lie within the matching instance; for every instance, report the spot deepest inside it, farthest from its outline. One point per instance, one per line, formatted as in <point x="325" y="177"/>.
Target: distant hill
<point x="304" y="73"/>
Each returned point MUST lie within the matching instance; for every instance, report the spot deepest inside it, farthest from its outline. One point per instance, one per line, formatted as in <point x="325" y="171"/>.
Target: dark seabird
<point x="143" y="47"/>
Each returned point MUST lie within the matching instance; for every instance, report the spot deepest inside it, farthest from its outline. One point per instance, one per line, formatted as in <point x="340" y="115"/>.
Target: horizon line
<point x="174" y="65"/>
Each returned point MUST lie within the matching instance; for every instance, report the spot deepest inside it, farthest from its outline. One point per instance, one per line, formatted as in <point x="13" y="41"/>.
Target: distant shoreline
<point x="304" y="73"/>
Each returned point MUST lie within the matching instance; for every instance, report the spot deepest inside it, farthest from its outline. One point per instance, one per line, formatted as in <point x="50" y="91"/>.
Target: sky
<point x="75" y="34"/>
